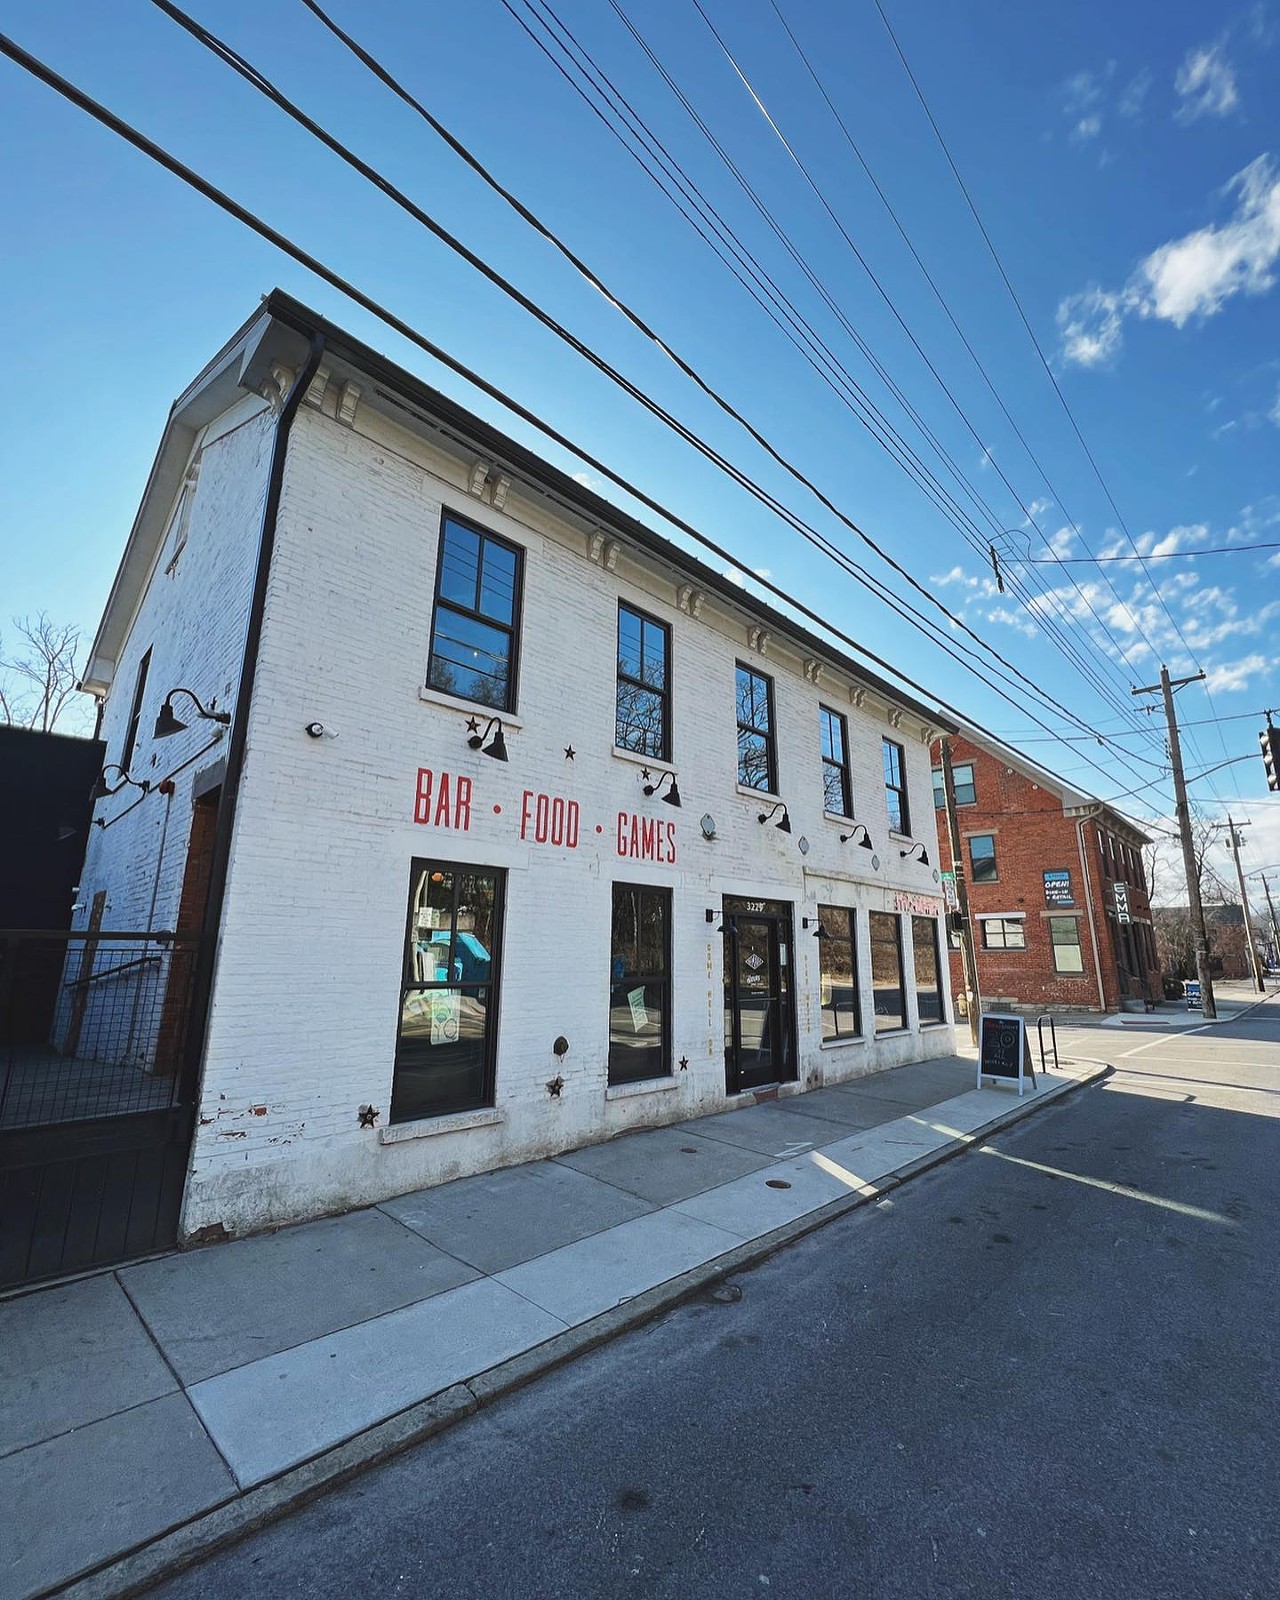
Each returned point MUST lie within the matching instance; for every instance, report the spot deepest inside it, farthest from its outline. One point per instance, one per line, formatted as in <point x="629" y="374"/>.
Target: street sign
<point x="1057" y="889"/>
<point x="1004" y="1050"/>
<point x="950" y="899"/>
<point x="1122" y="901"/>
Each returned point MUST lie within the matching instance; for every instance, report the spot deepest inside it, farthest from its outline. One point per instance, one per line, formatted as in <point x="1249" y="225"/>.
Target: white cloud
<point x="1205" y="84"/>
<point x="734" y="576"/>
<point x="956" y="575"/>
<point x="588" y="481"/>
<point x="763" y="572"/>
<point x="1090" y="326"/>
<point x="1132" y="97"/>
<point x="1087" y="128"/>
<point x="1274" y="413"/>
<point x="1235" y="675"/>
<point x="1189" y="277"/>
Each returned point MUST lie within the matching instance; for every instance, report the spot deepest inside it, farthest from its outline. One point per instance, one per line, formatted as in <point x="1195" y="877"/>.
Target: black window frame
<point x="513" y="629"/>
<point x="930" y="925"/>
<point x="890" y="1025"/>
<point x="899" y="789"/>
<point x="767" y="734"/>
<point x="135" y="711"/>
<point x="939" y="790"/>
<point x="493" y="984"/>
<point x="1056" y="944"/>
<point x="1007" y="925"/>
<point x="827" y="920"/>
<point x="646" y="621"/>
<point x="985" y="877"/>
<point x="829" y="764"/>
<point x="665" y="896"/>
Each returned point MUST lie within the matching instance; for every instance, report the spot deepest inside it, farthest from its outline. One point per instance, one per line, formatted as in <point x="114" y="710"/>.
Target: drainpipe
<point x="211" y="929"/>
<point x="1088" y="900"/>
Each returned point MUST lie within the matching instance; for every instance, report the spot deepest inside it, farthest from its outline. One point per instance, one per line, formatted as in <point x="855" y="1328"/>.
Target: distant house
<point x="1057" y="888"/>
<point x="1228" y="945"/>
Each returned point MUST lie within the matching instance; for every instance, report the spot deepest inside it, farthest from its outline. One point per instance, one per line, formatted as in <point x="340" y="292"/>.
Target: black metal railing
<point x="92" y="1024"/>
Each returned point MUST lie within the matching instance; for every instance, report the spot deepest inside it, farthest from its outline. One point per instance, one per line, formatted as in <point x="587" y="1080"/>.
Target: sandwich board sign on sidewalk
<point x="1004" y="1051"/>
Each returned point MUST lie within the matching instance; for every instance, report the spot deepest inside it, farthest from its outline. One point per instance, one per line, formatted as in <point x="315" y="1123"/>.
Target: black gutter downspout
<point x="206" y="959"/>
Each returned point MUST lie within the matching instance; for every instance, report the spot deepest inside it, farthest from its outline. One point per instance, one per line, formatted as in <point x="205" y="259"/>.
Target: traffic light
<point x="1269" y="739"/>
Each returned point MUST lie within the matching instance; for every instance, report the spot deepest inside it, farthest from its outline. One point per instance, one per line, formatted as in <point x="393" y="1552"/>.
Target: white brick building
<point x="431" y="962"/>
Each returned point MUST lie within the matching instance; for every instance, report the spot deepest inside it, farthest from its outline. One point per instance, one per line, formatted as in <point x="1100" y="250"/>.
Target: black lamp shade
<point x="784" y="821"/>
<point x="167" y="722"/>
<point x="672" y="796"/>
<point x="865" y="841"/>
<point x="924" y="858"/>
<point x="100" y="791"/>
<point x="497" y="746"/>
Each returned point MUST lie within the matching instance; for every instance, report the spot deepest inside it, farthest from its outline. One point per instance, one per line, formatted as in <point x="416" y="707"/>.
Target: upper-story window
<point x="135" y="713"/>
<point x="895" y="787"/>
<point x="475" y="633"/>
<point x="837" y="790"/>
<point x="643" y="717"/>
<point x="962" y="780"/>
<point x="757" y="754"/>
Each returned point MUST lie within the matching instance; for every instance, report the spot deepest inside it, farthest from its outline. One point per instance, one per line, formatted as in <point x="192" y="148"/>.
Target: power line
<point x="803" y="169"/>
<point x="766" y="214"/>
<point x="1152" y="555"/>
<point x="584" y="64"/>
<point x="260" y="82"/>
<point x="295" y="252"/>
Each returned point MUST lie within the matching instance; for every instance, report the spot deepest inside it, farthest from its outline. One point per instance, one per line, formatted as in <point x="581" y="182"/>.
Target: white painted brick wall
<point x="306" y="1003"/>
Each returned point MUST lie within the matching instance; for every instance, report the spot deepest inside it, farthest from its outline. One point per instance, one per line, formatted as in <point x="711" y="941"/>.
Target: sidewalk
<point x="1233" y="996"/>
<point x="162" y="1407"/>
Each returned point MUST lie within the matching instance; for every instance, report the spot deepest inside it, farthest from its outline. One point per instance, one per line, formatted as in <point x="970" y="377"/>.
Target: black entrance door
<point x="759" y="1026"/>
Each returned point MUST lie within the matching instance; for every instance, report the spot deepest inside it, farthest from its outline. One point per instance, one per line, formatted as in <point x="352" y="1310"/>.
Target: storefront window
<point x="838" y="964"/>
<point x="886" y="971"/>
<point x="639" y="984"/>
<point x="444" y="1053"/>
<point x="928" y="962"/>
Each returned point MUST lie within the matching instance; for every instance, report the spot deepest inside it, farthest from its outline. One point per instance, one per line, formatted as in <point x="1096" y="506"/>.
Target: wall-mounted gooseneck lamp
<point x="497" y="746"/>
<point x="672" y="796"/>
<point x="819" y="932"/>
<point x="102" y="789"/>
<point x="783" y="822"/>
<point x="917" y="852"/>
<point x="167" y="722"/>
<point x="858" y="828"/>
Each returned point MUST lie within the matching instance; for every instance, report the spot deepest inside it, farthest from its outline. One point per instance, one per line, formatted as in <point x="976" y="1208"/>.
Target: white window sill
<point x="839" y="1044"/>
<point x="902" y="838"/>
<point x="467" y="708"/>
<point x="893" y="1033"/>
<point x="628" y="1091"/>
<point x="765" y="795"/>
<point x="429" y="1127"/>
<point x="845" y="822"/>
<point x="654" y="763"/>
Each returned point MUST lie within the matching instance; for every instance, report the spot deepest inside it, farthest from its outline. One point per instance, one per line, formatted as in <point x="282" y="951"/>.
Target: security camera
<point x="317" y="730"/>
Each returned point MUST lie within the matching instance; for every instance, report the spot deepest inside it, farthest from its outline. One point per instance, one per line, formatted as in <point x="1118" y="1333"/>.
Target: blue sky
<point x="1124" y="160"/>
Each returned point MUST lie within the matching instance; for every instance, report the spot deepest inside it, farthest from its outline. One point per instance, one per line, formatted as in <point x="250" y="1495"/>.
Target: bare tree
<point x="39" y="676"/>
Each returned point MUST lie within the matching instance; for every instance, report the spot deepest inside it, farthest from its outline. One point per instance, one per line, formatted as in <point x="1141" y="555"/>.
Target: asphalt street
<point x="1046" y="1369"/>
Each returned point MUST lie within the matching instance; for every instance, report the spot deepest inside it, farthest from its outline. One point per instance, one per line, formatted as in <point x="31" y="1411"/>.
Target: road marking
<point x="1122" y="1189"/>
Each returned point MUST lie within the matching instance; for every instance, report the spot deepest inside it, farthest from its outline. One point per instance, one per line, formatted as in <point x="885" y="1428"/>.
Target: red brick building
<point x="1057" y="888"/>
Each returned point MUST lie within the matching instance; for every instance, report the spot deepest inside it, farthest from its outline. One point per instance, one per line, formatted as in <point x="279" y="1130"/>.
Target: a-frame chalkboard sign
<point x="1004" y="1051"/>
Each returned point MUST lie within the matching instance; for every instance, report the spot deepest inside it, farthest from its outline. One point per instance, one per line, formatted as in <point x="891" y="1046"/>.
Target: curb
<point x="192" y="1542"/>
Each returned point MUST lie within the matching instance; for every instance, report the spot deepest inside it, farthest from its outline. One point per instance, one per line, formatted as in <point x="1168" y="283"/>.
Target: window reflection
<point x="639" y="984"/>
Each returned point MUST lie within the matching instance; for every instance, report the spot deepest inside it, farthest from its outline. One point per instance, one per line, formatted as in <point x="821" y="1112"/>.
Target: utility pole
<point x="1254" y="962"/>
<point x="1165" y="687"/>
<point x="1275" y="926"/>
<point x="968" y="955"/>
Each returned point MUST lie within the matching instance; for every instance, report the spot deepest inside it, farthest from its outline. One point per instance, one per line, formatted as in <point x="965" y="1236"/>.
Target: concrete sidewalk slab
<point x="749" y="1208"/>
<point x="584" y="1279"/>
<point x="273" y="1413"/>
<point x="664" y="1165"/>
<point x="87" y="1495"/>
<point x="772" y="1130"/>
<point x="229" y="1304"/>
<point x="373" y="1342"/>
<point x="72" y="1355"/>
<point x="499" y="1219"/>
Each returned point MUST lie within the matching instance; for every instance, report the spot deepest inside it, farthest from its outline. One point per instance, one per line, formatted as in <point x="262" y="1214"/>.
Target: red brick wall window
<point x="1004" y="933"/>
<point x="1064" y="935"/>
<point x="838" y="961"/>
<point x="962" y="778"/>
<point x="982" y="858"/>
